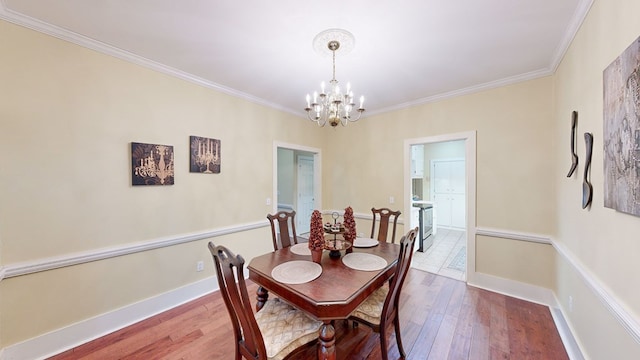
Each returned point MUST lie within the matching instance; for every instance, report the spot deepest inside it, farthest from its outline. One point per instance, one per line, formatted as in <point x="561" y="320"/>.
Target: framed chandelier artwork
<point x="151" y="164"/>
<point x="621" y="81"/>
<point x="205" y="155"/>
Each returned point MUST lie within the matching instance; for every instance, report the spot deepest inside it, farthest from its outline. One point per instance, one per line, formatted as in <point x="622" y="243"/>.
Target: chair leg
<point x="383" y="343"/>
<point x="396" y="325"/>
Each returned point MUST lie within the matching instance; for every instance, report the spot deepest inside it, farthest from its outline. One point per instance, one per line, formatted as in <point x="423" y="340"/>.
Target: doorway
<point x="440" y="172"/>
<point x="297" y="182"/>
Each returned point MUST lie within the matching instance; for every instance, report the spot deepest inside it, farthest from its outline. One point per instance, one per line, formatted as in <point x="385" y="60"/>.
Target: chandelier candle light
<point x="331" y="105"/>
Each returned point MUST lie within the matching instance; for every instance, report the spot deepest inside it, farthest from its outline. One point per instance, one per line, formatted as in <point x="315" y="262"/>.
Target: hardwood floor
<point x="441" y="318"/>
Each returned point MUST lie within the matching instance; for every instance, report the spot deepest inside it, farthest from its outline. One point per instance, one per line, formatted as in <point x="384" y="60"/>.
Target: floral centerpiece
<point x="316" y="234"/>
<point x="349" y="225"/>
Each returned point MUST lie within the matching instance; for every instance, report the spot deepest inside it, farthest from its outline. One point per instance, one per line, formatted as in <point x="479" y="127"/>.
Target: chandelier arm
<point x="320" y="120"/>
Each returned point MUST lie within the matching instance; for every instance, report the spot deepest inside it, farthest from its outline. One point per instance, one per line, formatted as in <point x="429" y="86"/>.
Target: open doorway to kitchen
<point x="440" y="196"/>
<point x="297" y="175"/>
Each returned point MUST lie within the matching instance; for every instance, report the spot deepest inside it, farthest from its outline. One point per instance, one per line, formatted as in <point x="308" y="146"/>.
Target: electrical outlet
<point x="570" y="303"/>
<point x="391" y="200"/>
<point x="268" y="202"/>
<point x="200" y="266"/>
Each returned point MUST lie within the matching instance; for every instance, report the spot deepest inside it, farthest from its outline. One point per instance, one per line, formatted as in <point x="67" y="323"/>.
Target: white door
<point x="305" y="198"/>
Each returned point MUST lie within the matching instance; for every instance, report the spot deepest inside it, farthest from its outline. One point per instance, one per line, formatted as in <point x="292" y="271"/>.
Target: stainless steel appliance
<point x="425" y="224"/>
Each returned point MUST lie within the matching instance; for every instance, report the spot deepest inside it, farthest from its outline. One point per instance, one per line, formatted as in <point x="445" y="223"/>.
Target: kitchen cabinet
<point x="417" y="161"/>
<point x="450" y="210"/>
<point x="448" y="178"/>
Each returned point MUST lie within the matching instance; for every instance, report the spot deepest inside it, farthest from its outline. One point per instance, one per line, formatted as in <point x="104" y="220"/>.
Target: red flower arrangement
<point x="316" y="234"/>
<point x="349" y="225"/>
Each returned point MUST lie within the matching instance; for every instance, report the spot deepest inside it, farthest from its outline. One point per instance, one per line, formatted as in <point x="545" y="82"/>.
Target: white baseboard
<point x="534" y="294"/>
<point x="516" y="289"/>
<point x="63" y="339"/>
<point x="569" y="342"/>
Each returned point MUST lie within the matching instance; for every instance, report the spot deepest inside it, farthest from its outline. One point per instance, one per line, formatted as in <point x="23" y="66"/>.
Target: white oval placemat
<point x="296" y="272"/>
<point x="364" y="262"/>
<point x="300" y="249"/>
<point x="365" y="242"/>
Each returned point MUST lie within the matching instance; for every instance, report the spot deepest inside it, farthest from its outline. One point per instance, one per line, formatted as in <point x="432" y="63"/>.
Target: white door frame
<point x="317" y="171"/>
<point x="300" y="181"/>
<point x="470" y="187"/>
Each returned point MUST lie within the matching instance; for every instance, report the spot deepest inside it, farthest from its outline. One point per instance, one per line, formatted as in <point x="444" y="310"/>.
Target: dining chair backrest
<point x="405" y="255"/>
<point x="381" y="219"/>
<point x="284" y="221"/>
<point x="229" y="270"/>
<point x="380" y="309"/>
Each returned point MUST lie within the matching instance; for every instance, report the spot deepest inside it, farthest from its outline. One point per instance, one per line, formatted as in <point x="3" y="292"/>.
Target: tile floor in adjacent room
<point x="446" y="257"/>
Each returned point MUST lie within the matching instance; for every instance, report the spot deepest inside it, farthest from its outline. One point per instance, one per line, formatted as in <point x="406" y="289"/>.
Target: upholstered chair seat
<point x="285" y="328"/>
<point x="371" y="309"/>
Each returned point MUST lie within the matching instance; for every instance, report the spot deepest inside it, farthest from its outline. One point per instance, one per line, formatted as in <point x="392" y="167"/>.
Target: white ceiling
<point x="406" y="52"/>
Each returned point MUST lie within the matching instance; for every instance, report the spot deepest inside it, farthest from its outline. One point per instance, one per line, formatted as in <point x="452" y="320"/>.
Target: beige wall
<point x="505" y="258"/>
<point x="73" y="112"/>
<point x="68" y="115"/>
<point x="603" y="241"/>
<point x="514" y="185"/>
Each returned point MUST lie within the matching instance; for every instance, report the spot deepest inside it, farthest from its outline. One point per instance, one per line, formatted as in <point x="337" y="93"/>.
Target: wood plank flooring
<point x="441" y="318"/>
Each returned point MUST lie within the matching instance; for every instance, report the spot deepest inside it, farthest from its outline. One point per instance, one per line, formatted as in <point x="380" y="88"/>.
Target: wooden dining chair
<point x="283" y="221"/>
<point x="382" y="217"/>
<point x="381" y="307"/>
<point x="275" y="332"/>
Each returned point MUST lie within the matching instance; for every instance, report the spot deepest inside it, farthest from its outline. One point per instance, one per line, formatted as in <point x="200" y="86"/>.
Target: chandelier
<point x="332" y="105"/>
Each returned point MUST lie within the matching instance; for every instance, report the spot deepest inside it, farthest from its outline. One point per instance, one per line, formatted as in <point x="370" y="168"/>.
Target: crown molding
<point x="468" y="90"/>
<point x="66" y="35"/>
<point x="93" y="44"/>
<point x="570" y="33"/>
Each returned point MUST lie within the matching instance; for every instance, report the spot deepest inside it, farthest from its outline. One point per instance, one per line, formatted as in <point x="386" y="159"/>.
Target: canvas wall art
<point x="621" y="137"/>
<point x="205" y="155"/>
<point x="151" y="164"/>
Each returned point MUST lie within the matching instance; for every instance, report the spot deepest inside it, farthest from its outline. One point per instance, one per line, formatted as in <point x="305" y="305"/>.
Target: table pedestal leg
<point x="262" y="295"/>
<point x="327" y="342"/>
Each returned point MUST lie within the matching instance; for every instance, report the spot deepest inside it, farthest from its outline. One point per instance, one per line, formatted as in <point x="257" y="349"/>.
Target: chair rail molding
<point x="363" y="216"/>
<point x="514" y="235"/>
<point x="51" y="263"/>
<point x="38" y="265"/>
<point x="630" y="323"/>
